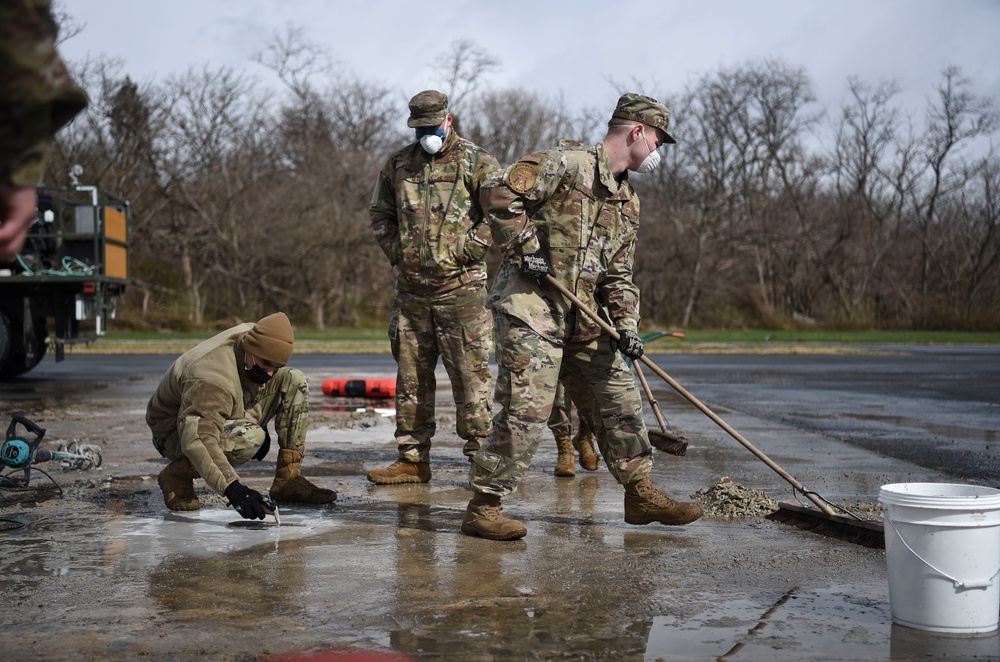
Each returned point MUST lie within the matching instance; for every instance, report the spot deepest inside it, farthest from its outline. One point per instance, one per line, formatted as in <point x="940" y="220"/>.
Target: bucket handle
<point x="983" y="583"/>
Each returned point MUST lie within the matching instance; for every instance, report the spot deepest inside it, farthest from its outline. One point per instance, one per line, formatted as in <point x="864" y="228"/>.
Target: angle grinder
<point x="18" y="453"/>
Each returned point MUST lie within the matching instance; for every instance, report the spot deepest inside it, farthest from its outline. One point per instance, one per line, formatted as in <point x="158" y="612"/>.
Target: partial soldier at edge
<point x="37" y="98"/>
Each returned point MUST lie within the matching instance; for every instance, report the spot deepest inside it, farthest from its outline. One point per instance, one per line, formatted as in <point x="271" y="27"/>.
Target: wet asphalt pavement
<point x="106" y="572"/>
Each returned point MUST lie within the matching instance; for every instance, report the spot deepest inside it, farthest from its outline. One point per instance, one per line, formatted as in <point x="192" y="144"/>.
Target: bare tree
<point x="295" y="60"/>
<point x="958" y="118"/>
<point x="873" y="172"/>
<point x="220" y="149"/>
<point x="514" y="122"/>
<point x="69" y="27"/>
<point x="742" y="160"/>
<point x="245" y="202"/>
<point x="968" y="250"/>
<point x="463" y="68"/>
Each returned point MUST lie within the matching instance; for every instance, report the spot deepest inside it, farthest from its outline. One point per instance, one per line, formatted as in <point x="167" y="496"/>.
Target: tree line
<point x="770" y="212"/>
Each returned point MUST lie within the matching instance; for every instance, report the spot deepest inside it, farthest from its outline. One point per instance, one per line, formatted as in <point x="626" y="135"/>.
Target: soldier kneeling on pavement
<point x="211" y="410"/>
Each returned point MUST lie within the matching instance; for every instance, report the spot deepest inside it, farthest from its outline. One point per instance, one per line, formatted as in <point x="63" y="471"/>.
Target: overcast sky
<point x="573" y="48"/>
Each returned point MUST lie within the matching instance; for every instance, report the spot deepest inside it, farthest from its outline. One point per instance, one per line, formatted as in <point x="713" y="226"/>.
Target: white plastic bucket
<point x="942" y="547"/>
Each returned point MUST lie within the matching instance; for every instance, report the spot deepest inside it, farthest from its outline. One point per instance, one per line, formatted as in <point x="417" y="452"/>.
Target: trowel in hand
<point x="270" y="508"/>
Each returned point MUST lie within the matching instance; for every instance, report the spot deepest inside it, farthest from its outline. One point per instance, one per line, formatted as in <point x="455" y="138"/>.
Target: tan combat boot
<point x="401" y="471"/>
<point x="583" y="442"/>
<point x="645" y="504"/>
<point x="177" y="482"/>
<point x="484" y="519"/>
<point x="290" y="486"/>
<point x="566" y="458"/>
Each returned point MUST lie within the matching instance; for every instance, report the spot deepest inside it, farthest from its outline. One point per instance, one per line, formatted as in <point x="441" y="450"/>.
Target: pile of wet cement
<point x="728" y="500"/>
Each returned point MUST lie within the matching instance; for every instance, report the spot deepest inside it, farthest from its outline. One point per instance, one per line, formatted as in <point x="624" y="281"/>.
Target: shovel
<point x="668" y="442"/>
<point x="826" y="521"/>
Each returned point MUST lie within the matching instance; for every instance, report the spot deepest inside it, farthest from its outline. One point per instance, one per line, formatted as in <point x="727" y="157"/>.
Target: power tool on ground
<point x="20" y="454"/>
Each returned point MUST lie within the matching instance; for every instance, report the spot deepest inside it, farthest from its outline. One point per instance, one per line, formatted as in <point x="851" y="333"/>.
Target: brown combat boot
<point x="566" y="459"/>
<point x="401" y="471"/>
<point x="290" y="486"/>
<point x="583" y="442"/>
<point x="645" y="504"/>
<point x="177" y="482"/>
<point x="484" y="519"/>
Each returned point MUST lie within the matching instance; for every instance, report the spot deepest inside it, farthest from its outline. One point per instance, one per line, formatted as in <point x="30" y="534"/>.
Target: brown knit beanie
<point x="271" y="339"/>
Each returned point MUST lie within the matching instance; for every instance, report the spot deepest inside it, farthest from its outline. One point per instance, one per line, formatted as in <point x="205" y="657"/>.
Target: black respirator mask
<point x="256" y="374"/>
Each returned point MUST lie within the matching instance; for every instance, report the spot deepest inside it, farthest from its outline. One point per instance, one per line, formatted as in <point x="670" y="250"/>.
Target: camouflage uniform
<point x="205" y="408"/>
<point x="210" y="413"/>
<point x="567" y="202"/>
<point x="560" y="423"/>
<point x="561" y="418"/>
<point x="426" y="217"/>
<point x="37" y="94"/>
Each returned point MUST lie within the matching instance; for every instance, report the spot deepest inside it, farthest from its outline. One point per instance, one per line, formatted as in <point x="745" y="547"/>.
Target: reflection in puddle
<point x="910" y="644"/>
<point x="806" y="625"/>
<point x="207" y="532"/>
<point x="128" y="543"/>
<point x="797" y="625"/>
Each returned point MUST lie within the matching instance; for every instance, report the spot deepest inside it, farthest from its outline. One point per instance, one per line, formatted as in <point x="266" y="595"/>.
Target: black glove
<point x="536" y="264"/>
<point x="628" y="344"/>
<point x="249" y="503"/>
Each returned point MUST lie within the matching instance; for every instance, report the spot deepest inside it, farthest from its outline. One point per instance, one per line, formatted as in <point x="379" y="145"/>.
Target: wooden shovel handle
<point x="649" y="396"/>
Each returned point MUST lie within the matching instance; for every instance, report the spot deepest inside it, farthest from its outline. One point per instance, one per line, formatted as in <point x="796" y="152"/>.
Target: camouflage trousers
<point x="284" y="398"/>
<point x="454" y="326"/>
<point x="598" y="381"/>
<point x="561" y="418"/>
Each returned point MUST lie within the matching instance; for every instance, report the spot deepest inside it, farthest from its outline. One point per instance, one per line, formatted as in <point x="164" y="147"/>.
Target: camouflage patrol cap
<point x="428" y="108"/>
<point x="649" y="111"/>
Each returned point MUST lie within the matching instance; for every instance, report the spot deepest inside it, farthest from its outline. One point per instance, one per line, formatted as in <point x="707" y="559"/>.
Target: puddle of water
<point x="830" y="624"/>
<point x="382" y="408"/>
<point x="910" y="644"/>
<point x="331" y="439"/>
<point x="128" y="543"/>
<point x="806" y="625"/>
<point x="209" y="532"/>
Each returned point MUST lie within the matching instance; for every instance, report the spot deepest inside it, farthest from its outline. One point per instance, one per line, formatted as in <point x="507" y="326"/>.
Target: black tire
<point x="6" y="340"/>
<point x="18" y="354"/>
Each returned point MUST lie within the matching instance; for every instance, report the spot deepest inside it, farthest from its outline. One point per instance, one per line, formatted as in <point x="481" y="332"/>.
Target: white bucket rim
<point x="944" y="496"/>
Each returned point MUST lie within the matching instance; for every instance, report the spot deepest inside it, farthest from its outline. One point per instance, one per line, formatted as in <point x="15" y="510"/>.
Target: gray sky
<point x="573" y="48"/>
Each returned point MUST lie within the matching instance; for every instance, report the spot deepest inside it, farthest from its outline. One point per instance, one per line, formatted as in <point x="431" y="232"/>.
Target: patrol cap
<point x="428" y="108"/>
<point x="649" y="111"/>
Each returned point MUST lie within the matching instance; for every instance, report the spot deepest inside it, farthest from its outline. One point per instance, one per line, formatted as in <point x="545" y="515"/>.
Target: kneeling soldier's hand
<point x="629" y="343"/>
<point x="248" y="502"/>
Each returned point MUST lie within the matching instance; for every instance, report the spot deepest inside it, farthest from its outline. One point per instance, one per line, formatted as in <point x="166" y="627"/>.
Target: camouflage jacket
<point x="567" y="202"/>
<point x="37" y="94"/>
<point x="202" y="390"/>
<point x="426" y="216"/>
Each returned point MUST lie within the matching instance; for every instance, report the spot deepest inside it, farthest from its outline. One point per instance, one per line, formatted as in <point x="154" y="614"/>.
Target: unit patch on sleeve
<point x="522" y="177"/>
